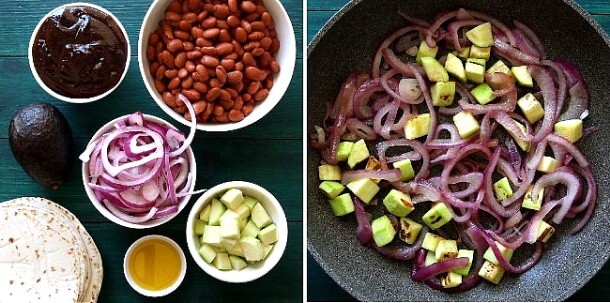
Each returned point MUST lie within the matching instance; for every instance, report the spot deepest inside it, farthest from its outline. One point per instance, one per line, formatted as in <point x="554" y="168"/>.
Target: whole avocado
<point x="41" y="141"/>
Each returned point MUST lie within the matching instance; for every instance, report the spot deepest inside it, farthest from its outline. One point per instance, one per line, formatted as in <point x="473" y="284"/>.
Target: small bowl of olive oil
<point x="154" y="266"/>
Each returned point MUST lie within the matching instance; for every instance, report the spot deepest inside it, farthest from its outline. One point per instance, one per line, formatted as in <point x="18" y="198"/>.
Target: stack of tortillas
<point x="46" y="255"/>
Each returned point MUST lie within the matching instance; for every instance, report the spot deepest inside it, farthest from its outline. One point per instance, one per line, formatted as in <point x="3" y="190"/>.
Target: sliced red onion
<point x="376" y="62"/>
<point x="442" y="18"/>
<point x="524" y="44"/>
<point x="361" y="98"/>
<point x="515" y="55"/>
<point x="364" y="232"/>
<point x="531" y="35"/>
<point x="570" y="148"/>
<point x="391" y="175"/>
<point x="168" y="211"/>
<point x="131" y="219"/>
<point x="545" y="81"/>
<point x="427" y="272"/>
<point x="382" y="148"/>
<point x="498" y="81"/>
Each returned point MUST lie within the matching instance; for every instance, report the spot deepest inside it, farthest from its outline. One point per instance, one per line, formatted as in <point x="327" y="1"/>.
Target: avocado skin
<point x="41" y="141"/>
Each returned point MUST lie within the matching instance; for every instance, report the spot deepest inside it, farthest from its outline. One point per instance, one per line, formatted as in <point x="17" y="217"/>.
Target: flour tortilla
<point x="94" y="282"/>
<point x="38" y="262"/>
<point x="37" y="209"/>
<point x="66" y="223"/>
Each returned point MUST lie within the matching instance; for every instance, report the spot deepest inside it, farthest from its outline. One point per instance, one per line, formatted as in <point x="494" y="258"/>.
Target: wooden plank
<point x="273" y="164"/>
<point x="23" y="16"/>
<point x="113" y="241"/>
<point x="592" y="6"/>
<point x="19" y="88"/>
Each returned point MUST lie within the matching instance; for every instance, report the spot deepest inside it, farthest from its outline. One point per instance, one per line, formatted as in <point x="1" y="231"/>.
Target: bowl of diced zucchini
<point x="237" y="231"/>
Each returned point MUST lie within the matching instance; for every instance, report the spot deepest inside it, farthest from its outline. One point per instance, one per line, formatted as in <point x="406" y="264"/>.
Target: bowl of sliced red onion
<point x="139" y="171"/>
<point x="453" y="152"/>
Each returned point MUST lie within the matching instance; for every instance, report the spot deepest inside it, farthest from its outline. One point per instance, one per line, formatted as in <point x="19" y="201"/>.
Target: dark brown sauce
<point x="80" y="52"/>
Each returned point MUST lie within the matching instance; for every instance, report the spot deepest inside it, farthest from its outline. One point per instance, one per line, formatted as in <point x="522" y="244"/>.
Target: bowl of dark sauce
<point x="79" y="52"/>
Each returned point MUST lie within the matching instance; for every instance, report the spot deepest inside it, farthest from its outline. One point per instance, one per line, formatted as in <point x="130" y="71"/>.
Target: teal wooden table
<point x="268" y="153"/>
<point x="320" y="286"/>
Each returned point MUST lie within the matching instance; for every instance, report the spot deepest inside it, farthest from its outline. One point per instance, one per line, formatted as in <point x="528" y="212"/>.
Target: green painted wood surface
<point x="268" y="153"/>
<point x="319" y="285"/>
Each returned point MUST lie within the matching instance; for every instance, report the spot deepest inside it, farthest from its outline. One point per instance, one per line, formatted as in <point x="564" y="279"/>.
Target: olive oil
<point x="155" y="264"/>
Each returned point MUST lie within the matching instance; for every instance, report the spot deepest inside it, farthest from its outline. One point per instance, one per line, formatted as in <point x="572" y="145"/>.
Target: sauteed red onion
<point x="459" y="172"/>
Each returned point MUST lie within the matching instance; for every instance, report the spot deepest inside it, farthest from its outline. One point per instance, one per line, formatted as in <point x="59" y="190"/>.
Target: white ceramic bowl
<point x="154" y="293"/>
<point x="62" y="97"/>
<point x="100" y="206"/>
<point x="286" y="57"/>
<point x="252" y="271"/>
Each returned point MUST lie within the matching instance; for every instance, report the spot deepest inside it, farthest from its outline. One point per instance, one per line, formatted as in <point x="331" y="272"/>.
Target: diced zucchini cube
<point x="451" y="280"/>
<point x="434" y="70"/>
<point x="267" y="249"/>
<point x="465" y="253"/>
<point x="466" y="124"/>
<point x="250" y="202"/>
<point x="232" y="198"/>
<point x="530" y="203"/>
<point x="483" y="93"/>
<point x="229" y="229"/>
<point x="216" y="211"/>
<point x="475" y="70"/>
<point x="211" y="235"/>
<point x="243" y="211"/>
<point x="343" y="150"/>
<point x="464" y="53"/>
<point x="569" y="129"/>
<point x="491" y="257"/>
<point x="417" y="126"/>
<point x="204" y="215"/>
<point x="524" y="145"/>
<point x="383" y="231"/>
<point x="331" y="188"/>
<point x="406" y="168"/>
<point x="547" y="165"/>
<point x="358" y="153"/>
<point x="545" y="231"/>
<point x="442" y="93"/>
<point x="455" y="67"/>
<point x="229" y="215"/>
<point x="222" y="261"/>
<point x="480" y="52"/>
<point x="207" y="253"/>
<point x="236" y="250"/>
<point x="199" y="226"/>
<point x="260" y="216"/>
<point x="398" y="203"/>
<point x="481" y="35"/>
<point x="425" y="51"/>
<point x="500" y="67"/>
<point x="430" y="258"/>
<point x="502" y="189"/>
<point x="446" y="249"/>
<point x="437" y="216"/>
<point x="237" y="263"/>
<point x="252" y="247"/>
<point x="250" y="229"/>
<point x="268" y="235"/>
<point x="531" y="108"/>
<point x="365" y="189"/>
<point x="523" y="76"/>
<point x="491" y="272"/>
<point x="342" y="205"/>
<point x="227" y="243"/>
<point x="409" y="230"/>
<point x="329" y="172"/>
<point x="431" y="241"/>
